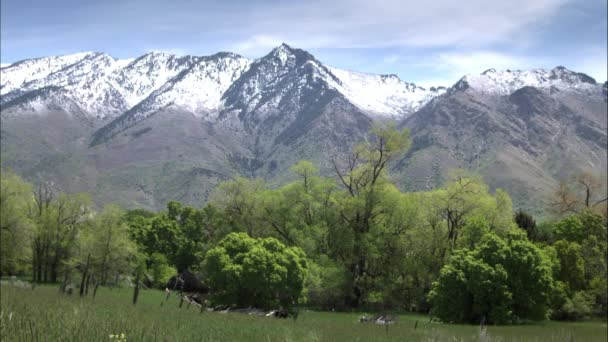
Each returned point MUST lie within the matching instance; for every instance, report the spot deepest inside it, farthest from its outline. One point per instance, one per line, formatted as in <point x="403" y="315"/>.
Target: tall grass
<point x="43" y="314"/>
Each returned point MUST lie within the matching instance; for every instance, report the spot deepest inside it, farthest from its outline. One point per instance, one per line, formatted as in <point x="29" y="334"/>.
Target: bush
<point x="500" y="281"/>
<point x="469" y="290"/>
<point x="576" y="308"/>
<point x="263" y="273"/>
<point x="159" y="270"/>
<point x="571" y="268"/>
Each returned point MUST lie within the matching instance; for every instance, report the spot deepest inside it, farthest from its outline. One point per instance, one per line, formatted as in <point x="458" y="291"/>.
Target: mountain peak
<point x="566" y="75"/>
<point x="507" y="81"/>
<point x="286" y="53"/>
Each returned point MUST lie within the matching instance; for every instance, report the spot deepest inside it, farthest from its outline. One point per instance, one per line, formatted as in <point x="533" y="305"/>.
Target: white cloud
<point x="361" y="23"/>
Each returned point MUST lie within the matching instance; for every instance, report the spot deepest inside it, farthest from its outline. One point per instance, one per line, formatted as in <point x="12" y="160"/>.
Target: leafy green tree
<point x="159" y="270"/>
<point x="181" y="234"/>
<point x="112" y="246"/>
<point x="105" y="250"/>
<point x="577" y="307"/>
<point x="470" y="290"/>
<point x="58" y="219"/>
<point x="473" y="231"/>
<point x="364" y="179"/>
<point x="244" y="271"/>
<point x="501" y="280"/>
<point x="529" y="272"/>
<point x="465" y="197"/>
<point x="15" y="226"/>
<point x="238" y="200"/>
<point x="571" y="270"/>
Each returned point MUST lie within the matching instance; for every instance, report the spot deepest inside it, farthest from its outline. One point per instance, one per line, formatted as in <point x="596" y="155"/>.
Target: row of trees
<point x="58" y="238"/>
<point x="351" y="240"/>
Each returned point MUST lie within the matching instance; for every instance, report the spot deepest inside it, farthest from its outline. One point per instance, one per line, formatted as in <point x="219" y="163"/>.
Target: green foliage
<point x="470" y="290"/>
<point x="159" y="270"/>
<point x="570" y="228"/>
<point x="598" y="290"/>
<point x="501" y="280"/>
<point x="576" y="308"/>
<point x="368" y="245"/>
<point x="259" y="272"/>
<point x="581" y="254"/>
<point x="526" y="222"/>
<point x="181" y="234"/>
<point x="15" y="226"/>
<point x="473" y="231"/>
<point x="571" y="270"/>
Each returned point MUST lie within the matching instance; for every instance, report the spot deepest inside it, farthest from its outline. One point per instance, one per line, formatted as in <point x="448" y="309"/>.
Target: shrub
<point x="159" y="270"/>
<point x="244" y="271"/>
<point x="501" y="281"/>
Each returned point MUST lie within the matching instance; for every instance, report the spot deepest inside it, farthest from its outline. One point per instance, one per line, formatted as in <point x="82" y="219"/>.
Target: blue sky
<point x="431" y="42"/>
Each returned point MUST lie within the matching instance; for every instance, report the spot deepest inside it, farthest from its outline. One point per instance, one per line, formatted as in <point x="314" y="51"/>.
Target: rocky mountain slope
<point x="522" y="130"/>
<point x="159" y="127"/>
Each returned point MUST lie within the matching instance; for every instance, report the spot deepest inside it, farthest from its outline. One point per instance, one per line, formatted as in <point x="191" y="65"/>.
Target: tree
<point x="57" y="220"/>
<point x="181" y="233"/>
<point x="159" y="270"/>
<point x="15" y="226"/>
<point x="244" y="271"/>
<point x="500" y="281"/>
<point x="582" y="191"/>
<point x="112" y="247"/>
<point x="579" y="227"/>
<point x="237" y="199"/>
<point x="526" y="222"/>
<point x="571" y="267"/>
<point x="364" y="179"/>
<point x="466" y="197"/>
<point x="470" y="290"/>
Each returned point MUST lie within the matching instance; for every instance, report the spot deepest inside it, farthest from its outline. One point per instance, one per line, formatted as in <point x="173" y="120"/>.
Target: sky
<point x="430" y="42"/>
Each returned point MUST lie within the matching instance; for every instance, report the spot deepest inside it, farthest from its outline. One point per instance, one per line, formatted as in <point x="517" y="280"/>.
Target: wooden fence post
<point x="136" y="290"/>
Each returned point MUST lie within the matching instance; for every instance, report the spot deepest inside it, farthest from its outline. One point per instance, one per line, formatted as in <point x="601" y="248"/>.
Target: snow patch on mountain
<point x="507" y="81"/>
<point x="383" y="95"/>
<point x="17" y="74"/>
<point x="197" y="89"/>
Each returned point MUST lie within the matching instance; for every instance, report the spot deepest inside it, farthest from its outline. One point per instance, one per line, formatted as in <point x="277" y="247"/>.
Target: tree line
<point x="351" y="240"/>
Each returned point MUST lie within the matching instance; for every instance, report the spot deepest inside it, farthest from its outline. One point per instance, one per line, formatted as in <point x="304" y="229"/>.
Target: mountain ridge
<point x="139" y="129"/>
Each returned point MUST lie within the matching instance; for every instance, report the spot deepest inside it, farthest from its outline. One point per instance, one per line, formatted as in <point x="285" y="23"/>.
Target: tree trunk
<point x="136" y="290"/>
<point x="54" y="267"/>
<point x="96" y="287"/>
<point x="47" y="261"/>
<point x="86" y="286"/>
<point x="84" y="275"/>
<point x="34" y="267"/>
<point x="64" y="284"/>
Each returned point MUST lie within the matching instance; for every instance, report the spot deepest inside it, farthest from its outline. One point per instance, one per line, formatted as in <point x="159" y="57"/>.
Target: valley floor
<point x="43" y="314"/>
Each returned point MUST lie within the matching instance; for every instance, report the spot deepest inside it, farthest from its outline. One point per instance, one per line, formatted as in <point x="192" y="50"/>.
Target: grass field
<point x="44" y="315"/>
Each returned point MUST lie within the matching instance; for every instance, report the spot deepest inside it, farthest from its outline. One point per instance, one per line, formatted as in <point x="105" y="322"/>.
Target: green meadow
<point x="43" y="314"/>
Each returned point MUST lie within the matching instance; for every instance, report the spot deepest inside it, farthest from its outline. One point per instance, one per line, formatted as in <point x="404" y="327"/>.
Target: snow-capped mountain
<point x="104" y="88"/>
<point x="383" y="95"/>
<point x="18" y="74"/>
<point x="507" y="81"/>
<point x="159" y="127"/>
